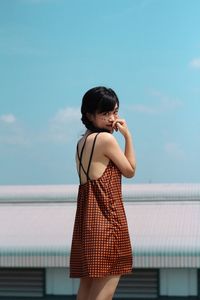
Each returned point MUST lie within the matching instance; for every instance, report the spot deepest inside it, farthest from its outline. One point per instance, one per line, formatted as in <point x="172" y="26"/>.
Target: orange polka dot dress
<point x="100" y="243"/>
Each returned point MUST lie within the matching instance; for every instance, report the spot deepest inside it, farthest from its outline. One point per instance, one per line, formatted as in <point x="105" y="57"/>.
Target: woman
<point x="101" y="249"/>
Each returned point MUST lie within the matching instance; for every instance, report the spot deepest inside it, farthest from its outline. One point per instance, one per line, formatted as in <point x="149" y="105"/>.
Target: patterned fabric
<point x="100" y="243"/>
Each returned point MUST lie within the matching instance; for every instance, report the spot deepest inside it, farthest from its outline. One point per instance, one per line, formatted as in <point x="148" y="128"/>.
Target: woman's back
<point x="91" y="148"/>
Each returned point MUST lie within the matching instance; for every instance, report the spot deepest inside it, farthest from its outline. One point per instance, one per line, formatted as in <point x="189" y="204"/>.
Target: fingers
<point x="120" y="124"/>
<point x="121" y="121"/>
<point x="115" y="126"/>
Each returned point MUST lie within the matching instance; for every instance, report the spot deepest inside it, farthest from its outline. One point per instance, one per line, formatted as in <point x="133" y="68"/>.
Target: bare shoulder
<point x="108" y="143"/>
<point x="106" y="137"/>
<point x="80" y="141"/>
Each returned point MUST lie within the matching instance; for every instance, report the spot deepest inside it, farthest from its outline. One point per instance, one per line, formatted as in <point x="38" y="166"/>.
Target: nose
<point x="111" y="118"/>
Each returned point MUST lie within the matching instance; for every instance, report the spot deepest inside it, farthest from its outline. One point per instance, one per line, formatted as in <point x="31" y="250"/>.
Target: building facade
<point x="36" y="224"/>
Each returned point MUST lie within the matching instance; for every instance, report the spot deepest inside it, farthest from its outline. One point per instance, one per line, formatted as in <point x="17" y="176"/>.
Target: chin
<point x="110" y="130"/>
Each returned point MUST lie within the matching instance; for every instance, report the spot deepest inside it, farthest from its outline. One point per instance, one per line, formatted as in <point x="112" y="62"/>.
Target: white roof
<point x="131" y="192"/>
<point x="164" y="229"/>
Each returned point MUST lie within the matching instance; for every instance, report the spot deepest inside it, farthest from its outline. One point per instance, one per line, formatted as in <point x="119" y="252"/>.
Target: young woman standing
<point x="101" y="249"/>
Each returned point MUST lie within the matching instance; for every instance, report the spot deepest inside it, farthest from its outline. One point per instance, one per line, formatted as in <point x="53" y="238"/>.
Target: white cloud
<point x="13" y="41"/>
<point x="66" y="115"/>
<point x="195" y="63"/>
<point x="65" y="124"/>
<point x="159" y="103"/>
<point x="12" y="132"/>
<point x="130" y="9"/>
<point x="143" y="108"/>
<point x="13" y="139"/>
<point x="145" y="3"/>
<point x="35" y="2"/>
<point x="10" y="118"/>
<point x="196" y="90"/>
<point x="174" y="150"/>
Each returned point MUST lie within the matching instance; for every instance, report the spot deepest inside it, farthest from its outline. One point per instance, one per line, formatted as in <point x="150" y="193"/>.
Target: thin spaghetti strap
<point x="80" y="164"/>
<point x="88" y="169"/>
<point x="80" y="158"/>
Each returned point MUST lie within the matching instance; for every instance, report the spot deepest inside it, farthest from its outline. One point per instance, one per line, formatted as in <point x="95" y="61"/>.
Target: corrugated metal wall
<point x="22" y="282"/>
<point x="141" y="283"/>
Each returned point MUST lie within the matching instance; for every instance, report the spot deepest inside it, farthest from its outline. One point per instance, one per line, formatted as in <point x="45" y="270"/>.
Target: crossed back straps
<point x="90" y="159"/>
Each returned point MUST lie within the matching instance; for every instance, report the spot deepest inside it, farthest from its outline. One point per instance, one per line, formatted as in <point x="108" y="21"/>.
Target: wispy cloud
<point x="195" y="63"/>
<point x="12" y="132"/>
<point x="146" y="3"/>
<point x="196" y="90"/>
<point x="142" y="108"/>
<point x="9" y="118"/>
<point x="61" y="128"/>
<point x="13" y="41"/>
<point x="64" y="124"/>
<point x="174" y="150"/>
<point x="159" y="103"/>
<point x="66" y="115"/>
<point x="37" y="2"/>
<point x="130" y="9"/>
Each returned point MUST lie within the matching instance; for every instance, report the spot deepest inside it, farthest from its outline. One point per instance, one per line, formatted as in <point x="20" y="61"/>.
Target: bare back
<point x="90" y="148"/>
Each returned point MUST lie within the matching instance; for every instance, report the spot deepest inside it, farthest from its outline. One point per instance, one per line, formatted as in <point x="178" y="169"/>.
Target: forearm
<point x="129" y="150"/>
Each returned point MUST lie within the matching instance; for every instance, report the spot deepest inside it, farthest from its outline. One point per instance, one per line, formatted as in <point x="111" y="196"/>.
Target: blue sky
<point x="52" y="51"/>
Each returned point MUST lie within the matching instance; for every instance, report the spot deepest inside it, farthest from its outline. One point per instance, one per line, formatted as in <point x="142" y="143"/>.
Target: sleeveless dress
<point x="100" y="242"/>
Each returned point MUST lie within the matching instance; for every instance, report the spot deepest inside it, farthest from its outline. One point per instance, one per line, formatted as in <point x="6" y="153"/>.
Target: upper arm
<point x="112" y="150"/>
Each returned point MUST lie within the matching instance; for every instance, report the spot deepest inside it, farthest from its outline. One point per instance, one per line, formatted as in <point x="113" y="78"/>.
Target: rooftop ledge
<point x="131" y="192"/>
<point x="36" y="224"/>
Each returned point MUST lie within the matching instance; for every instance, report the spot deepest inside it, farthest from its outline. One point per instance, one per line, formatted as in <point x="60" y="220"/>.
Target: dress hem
<point x="103" y="275"/>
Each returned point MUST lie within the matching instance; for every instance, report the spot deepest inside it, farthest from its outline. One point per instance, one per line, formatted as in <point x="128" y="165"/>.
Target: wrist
<point x="127" y="135"/>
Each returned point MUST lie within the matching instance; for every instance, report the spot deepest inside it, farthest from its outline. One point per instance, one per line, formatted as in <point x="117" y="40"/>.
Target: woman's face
<point x="105" y="120"/>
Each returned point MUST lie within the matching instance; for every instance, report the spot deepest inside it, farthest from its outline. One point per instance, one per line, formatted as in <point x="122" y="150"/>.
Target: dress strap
<point x="80" y="158"/>
<point x="88" y="169"/>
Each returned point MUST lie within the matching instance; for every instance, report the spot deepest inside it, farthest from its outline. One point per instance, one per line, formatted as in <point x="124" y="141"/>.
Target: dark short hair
<point x="97" y="100"/>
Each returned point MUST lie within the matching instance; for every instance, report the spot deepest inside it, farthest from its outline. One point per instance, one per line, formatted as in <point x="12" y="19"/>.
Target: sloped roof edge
<point x="131" y="192"/>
